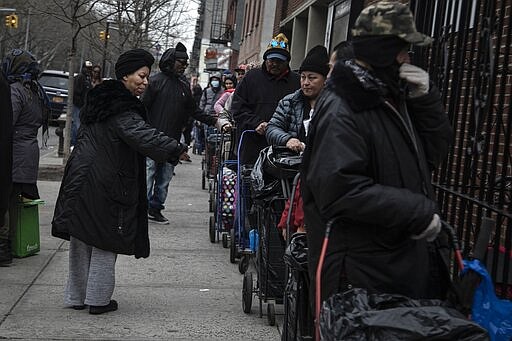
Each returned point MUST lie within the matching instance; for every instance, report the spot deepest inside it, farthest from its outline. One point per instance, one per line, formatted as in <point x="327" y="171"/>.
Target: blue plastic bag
<point x="489" y="311"/>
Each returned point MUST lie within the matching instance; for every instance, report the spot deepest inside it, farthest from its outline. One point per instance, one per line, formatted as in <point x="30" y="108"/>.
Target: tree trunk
<point x="71" y="86"/>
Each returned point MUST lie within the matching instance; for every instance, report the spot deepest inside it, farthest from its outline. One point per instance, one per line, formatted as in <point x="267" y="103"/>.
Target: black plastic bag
<point x="357" y="315"/>
<point x="296" y="254"/>
<point x="271" y="268"/>
<point x="281" y="162"/>
<point x="263" y="185"/>
<point x="298" y="319"/>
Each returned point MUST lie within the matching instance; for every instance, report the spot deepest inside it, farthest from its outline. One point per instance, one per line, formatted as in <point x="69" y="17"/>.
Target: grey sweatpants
<point x="91" y="278"/>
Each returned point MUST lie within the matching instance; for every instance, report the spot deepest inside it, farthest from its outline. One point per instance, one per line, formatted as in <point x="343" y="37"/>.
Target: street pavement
<point x="186" y="290"/>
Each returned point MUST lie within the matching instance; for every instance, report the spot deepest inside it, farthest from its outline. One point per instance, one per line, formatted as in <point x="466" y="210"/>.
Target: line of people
<point x="371" y="133"/>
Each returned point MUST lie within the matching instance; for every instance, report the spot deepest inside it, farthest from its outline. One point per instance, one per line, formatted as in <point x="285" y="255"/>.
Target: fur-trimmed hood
<point x="108" y="99"/>
<point x="357" y="85"/>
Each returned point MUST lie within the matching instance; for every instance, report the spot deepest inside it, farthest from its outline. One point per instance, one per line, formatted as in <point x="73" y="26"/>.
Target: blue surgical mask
<point x="215" y="83"/>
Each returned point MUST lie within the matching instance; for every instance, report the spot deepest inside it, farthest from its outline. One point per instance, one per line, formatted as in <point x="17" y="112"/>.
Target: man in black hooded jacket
<point x="378" y="131"/>
<point x="170" y="104"/>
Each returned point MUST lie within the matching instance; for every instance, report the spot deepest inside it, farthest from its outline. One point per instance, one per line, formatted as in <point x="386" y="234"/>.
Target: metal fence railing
<point x="470" y="62"/>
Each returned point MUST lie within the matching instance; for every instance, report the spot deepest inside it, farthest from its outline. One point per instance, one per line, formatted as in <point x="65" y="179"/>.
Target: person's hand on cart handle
<point x="260" y="129"/>
<point x="295" y="145"/>
<point x="432" y="230"/>
<point x="223" y="125"/>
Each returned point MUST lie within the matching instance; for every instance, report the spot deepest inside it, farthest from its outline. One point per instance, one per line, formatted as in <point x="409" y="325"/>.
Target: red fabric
<point x="297" y="218"/>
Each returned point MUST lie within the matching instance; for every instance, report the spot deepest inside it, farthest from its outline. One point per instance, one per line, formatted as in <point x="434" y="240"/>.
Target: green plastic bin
<point x="25" y="233"/>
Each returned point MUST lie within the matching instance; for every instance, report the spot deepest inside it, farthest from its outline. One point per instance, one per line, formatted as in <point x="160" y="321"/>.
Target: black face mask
<point x="380" y="52"/>
<point x="389" y="75"/>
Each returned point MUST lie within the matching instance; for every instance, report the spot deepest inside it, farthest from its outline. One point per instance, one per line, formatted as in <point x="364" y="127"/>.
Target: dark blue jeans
<point x="158" y="177"/>
<point x="75" y="125"/>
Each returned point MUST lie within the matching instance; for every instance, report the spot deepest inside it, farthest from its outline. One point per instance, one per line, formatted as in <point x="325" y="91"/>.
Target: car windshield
<point x="54" y="81"/>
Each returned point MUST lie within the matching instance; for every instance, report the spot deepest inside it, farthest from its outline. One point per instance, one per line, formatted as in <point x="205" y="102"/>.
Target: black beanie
<point x="181" y="51"/>
<point x="132" y="60"/>
<point x="317" y="60"/>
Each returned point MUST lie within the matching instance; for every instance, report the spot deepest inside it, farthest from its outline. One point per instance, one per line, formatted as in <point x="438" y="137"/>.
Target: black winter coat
<point x="254" y="101"/>
<point x="363" y="167"/>
<point x="102" y="199"/>
<point x="27" y="113"/>
<point x="81" y="87"/>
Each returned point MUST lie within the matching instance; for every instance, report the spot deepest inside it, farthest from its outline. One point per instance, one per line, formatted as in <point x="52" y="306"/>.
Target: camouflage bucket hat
<point x="389" y="18"/>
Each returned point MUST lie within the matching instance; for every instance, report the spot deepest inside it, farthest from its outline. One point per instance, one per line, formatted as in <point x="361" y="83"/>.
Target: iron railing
<point x="470" y="63"/>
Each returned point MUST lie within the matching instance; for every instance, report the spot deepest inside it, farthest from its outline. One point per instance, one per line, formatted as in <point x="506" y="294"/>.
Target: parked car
<point x="55" y="84"/>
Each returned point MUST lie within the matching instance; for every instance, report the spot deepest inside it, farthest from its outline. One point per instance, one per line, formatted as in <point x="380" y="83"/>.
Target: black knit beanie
<point x="317" y="60"/>
<point x="181" y="51"/>
<point x="132" y="60"/>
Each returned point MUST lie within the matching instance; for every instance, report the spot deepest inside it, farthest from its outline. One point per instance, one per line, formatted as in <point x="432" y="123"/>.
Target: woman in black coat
<point x="102" y="204"/>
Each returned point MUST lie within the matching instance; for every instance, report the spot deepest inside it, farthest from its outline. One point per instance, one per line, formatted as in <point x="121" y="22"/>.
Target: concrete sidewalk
<point x="186" y="290"/>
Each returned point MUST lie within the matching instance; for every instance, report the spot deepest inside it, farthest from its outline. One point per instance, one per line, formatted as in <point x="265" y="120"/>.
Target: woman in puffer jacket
<point x="289" y="124"/>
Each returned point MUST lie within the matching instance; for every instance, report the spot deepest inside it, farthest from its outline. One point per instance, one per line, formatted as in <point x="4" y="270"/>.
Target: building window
<point x="339" y="15"/>
<point x="259" y="13"/>
<point x="246" y="19"/>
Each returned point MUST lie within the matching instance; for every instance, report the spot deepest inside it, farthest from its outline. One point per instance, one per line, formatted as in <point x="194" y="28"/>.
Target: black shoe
<point x="100" y="309"/>
<point x="79" y="307"/>
<point x="5" y="252"/>
<point x="157" y="217"/>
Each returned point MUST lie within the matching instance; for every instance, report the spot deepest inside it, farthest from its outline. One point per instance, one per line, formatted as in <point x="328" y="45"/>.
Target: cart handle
<point x="455" y="244"/>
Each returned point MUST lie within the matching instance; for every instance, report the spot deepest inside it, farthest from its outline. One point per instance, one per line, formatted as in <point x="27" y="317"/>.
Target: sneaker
<point x="100" y="309"/>
<point x="157" y="217"/>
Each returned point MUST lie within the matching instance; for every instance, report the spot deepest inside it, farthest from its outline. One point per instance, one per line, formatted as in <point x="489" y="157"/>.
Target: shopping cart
<point x="267" y="258"/>
<point x="222" y="193"/>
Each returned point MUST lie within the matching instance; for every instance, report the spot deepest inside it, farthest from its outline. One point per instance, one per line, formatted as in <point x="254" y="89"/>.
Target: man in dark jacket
<point x="378" y="131"/>
<point x="170" y="104"/>
<point x="255" y="98"/>
<point x="82" y="85"/>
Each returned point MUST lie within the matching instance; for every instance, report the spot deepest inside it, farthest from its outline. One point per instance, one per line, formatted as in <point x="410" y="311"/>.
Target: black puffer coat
<point x="287" y="120"/>
<point x="364" y="167"/>
<point x="102" y="200"/>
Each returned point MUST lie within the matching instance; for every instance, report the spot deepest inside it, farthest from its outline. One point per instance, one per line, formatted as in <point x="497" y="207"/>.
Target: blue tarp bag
<point x="489" y="311"/>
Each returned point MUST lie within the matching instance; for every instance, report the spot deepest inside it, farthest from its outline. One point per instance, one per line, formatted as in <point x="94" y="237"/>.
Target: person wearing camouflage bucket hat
<point x="389" y="18"/>
<point x="382" y="35"/>
<point x="379" y="129"/>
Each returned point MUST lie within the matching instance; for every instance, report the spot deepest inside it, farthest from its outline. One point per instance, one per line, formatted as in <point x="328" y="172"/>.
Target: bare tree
<point x="143" y="23"/>
<point x="77" y="15"/>
<point x="74" y="25"/>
